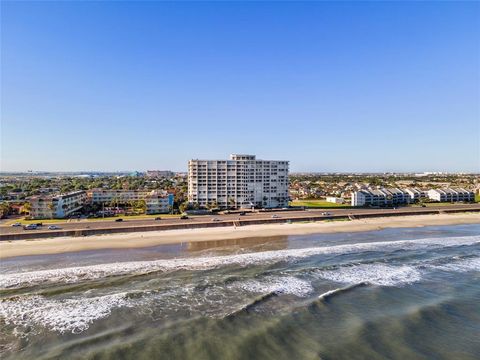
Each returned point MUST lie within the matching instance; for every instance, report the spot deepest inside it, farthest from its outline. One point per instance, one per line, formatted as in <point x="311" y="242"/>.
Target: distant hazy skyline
<point x="371" y="87"/>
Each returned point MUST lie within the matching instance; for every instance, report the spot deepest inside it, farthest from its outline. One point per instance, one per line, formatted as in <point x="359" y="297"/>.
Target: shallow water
<point x="396" y="294"/>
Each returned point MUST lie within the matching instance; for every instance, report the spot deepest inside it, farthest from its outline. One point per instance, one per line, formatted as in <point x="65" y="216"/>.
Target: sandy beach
<point x="145" y="239"/>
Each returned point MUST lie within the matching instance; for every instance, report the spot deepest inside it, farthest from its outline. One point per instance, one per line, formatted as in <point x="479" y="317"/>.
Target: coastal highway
<point x="85" y="227"/>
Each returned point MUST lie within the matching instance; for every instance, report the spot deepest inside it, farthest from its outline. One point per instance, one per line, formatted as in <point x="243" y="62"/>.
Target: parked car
<point x="119" y="220"/>
<point x="275" y="216"/>
<point x="30" y="227"/>
<point x="54" y="227"/>
<point x="215" y="219"/>
<point x="158" y="218"/>
<point x="184" y="217"/>
<point x="16" y="224"/>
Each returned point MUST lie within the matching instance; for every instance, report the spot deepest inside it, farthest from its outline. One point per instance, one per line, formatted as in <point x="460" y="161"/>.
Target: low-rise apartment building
<point x="159" y="202"/>
<point x="380" y="197"/>
<point x="160" y="173"/>
<point x="415" y="194"/>
<point x="451" y="195"/>
<point x="395" y="196"/>
<point x="156" y="201"/>
<point x="240" y="182"/>
<point x="60" y="206"/>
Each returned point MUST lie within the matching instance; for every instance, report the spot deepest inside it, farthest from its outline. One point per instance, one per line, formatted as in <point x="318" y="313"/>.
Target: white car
<point x="16" y="224"/>
<point x="54" y="227"/>
<point x="275" y="216"/>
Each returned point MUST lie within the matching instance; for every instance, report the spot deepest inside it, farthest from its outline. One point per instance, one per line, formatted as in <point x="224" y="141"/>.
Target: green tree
<point x="212" y="205"/>
<point x="140" y="206"/>
<point x="26" y="208"/>
<point x="4" y="209"/>
<point x="184" y="206"/>
<point x="51" y="207"/>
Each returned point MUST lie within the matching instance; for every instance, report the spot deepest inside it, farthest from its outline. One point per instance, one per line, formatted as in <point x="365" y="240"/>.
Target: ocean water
<point x="389" y="294"/>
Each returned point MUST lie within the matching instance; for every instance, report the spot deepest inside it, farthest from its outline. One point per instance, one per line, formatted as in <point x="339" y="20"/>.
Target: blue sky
<point x="362" y="86"/>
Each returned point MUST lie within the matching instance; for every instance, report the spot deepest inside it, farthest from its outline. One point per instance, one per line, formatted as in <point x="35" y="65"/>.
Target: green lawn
<point x="321" y="204"/>
<point x="26" y="222"/>
<point x="477" y="198"/>
<point x="435" y="204"/>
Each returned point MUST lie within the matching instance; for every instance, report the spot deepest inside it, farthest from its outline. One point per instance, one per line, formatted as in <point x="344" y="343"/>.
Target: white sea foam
<point x="376" y="274"/>
<point x="285" y="285"/>
<point x="75" y="274"/>
<point x="67" y="315"/>
<point x="463" y="265"/>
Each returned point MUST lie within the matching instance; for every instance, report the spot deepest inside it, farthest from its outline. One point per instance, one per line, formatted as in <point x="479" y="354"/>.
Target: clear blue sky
<point x="374" y="86"/>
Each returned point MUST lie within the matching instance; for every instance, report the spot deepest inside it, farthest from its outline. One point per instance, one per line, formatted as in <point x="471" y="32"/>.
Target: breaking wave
<point x="461" y="265"/>
<point x="281" y="285"/>
<point x="331" y="293"/>
<point x="68" y="315"/>
<point x="375" y="274"/>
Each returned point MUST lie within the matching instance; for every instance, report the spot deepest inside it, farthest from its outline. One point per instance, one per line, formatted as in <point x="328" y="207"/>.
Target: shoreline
<point x="59" y="245"/>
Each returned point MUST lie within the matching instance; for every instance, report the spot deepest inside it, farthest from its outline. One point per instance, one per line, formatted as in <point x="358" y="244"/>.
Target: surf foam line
<point x="375" y="274"/>
<point x="331" y="293"/>
<point x="460" y="265"/>
<point x="92" y="272"/>
<point x="280" y="284"/>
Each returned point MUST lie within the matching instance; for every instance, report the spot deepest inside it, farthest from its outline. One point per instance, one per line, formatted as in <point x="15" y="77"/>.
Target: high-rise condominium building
<point x="241" y="182"/>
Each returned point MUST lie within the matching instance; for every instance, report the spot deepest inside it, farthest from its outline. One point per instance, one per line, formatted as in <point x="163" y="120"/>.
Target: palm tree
<point x="26" y="208"/>
<point x="212" y="205"/>
<point x="141" y="205"/>
<point x="51" y="207"/>
<point x="231" y="202"/>
<point x="4" y="209"/>
<point x="183" y="206"/>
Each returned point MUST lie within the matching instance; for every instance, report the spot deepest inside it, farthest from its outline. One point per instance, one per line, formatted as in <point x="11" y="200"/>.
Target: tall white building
<point x="241" y="182"/>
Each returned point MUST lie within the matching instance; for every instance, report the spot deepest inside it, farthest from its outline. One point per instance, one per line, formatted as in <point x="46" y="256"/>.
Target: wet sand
<point x="146" y="239"/>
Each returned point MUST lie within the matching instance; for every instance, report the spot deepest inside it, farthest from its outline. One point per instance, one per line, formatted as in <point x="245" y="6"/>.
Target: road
<point x="315" y="214"/>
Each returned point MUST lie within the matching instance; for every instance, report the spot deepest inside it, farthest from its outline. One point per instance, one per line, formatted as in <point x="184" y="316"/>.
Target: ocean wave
<point x="76" y="274"/>
<point x="375" y="274"/>
<point x="460" y="265"/>
<point x="280" y="285"/>
<point x="252" y="304"/>
<point x="331" y="293"/>
<point x="66" y="315"/>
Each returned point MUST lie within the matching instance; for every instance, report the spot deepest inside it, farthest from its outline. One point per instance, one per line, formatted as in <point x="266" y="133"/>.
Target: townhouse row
<point x="395" y="196"/>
